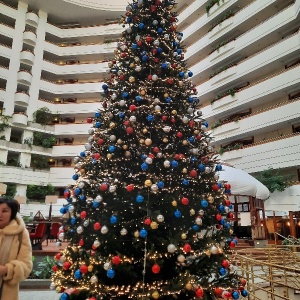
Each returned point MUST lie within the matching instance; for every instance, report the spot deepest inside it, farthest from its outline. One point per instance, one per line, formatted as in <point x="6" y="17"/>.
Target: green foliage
<point x="43" y="269"/>
<point x="273" y="180"/>
<point x="11" y="190"/>
<point x="211" y="4"/>
<point x="39" y="192"/>
<point x="39" y="162"/>
<point x="13" y="162"/>
<point x="43" y="140"/>
<point x="42" y="116"/>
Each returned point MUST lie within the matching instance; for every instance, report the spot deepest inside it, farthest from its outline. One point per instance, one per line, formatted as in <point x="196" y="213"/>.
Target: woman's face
<point x="5" y="213"/>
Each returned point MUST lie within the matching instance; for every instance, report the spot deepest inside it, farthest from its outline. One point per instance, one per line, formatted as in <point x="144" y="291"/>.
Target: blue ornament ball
<point x="160" y="184"/>
<point x="82" y="154"/>
<point x="139" y="198"/>
<point x="77" y="274"/>
<point x="195" y="227"/>
<point x="97" y="114"/>
<point x="110" y="273"/>
<point x="113" y="219"/>
<point x="111" y="149"/>
<point x="98" y="124"/>
<point x="244" y="293"/>
<point x="218" y="167"/>
<point x="82" y="197"/>
<point x="222" y="271"/>
<point x="75" y="177"/>
<point x="235" y="295"/>
<point x="174" y="164"/>
<point x="185" y="182"/>
<point x="64" y="296"/>
<point x="177" y="213"/>
<point x="201" y="167"/>
<point x="143" y="233"/>
<point x="77" y="191"/>
<point x="104" y="87"/>
<point x="144" y="166"/>
<point x="141" y="25"/>
<point x="63" y="210"/>
<point x="150" y="118"/>
<point x="204" y="203"/>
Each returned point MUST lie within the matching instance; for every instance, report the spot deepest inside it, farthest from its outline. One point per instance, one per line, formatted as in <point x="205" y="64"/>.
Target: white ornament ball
<point x="167" y="164"/>
<point x="198" y="221"/>
<point x="180" y="258"/>
<point x="138" y="68"/>
<point x="94" y="279"/>
<point x="88" y="146"/>
<point x="86" y="223"/>
<point x="214" y="250"/>
<point x="185" y="119"/>
<point x="98" y="198"/>
<point x="160" y="218"/>
<point x="104" y="229"/>
<point x="112" y="138"/>
<point x="61" y="236"/>
<point x="148" y="160"/>
<point x="96" y="243"/>
<point x="123" y="231"/>
<point x="107" y="266"/>
<point x="79" y="229"/>
<point x="112" y="188"/>
<point x="132" y="119"/>
<point x="171" y="248"/>
<point x="154" y="77"/>
<point x="154" y="187"/>
<point x="122" y="103"/>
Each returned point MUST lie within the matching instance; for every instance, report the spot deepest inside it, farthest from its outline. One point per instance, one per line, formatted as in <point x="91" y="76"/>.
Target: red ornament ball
<point x="66" y="265"/>
<point x="97" y="226"/>
<point x="147" y="221"/>
<point x="155" y="149"/>
<point x="81" y="242"/>
<point x="132" y="107"/>
<point x="116" y="260"/>
<point x="122" y="77"/>
<point x="215" y="187"/>
<point x="126" y="123"/>
<point x="54" y="268"/>
<point x="218" y="291"/>
<point x="100" y="142"/>
<point x="89" y="120"/>
<point x="130" y="187"/>
<point x="156" y="269"/>
<point x="193" y="173"/>
<point x="83" y="269"/>
<point x="97" y="155"/>
<point x="57" y="256"/>
<point x="199" y="293"/>
<point x="218" y="217"/>
<point x="187" y="248"/>
<point x="232" y="244"/>
<point x="103" y="187"/>
<point x="185" y="201"/>
<point x="225" y="263"/>
<point x="83" y="214"/>
<point x="149" y="39"/>
<point x="179" y="135"/>
<point x="129" y="130"/>
<point x="164" y="118"/>
<point x="170" y="81"/>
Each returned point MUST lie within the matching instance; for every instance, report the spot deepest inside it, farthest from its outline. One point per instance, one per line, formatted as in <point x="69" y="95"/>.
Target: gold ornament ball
<point x="148" y="142"/>
<point x="132" y="65"/>
<point x="180" y="83"/>
<point x="184" y="142"/>
<point x="210" y="199"/>
<point x="155" y="295"/>
<point x="131" y="79"/>
<point x="183" y="236"/>
<point x="143" y="92"/>
<point x="174" y="203"/>
<point x="166" y="95"/>
<point x="119" y="142"/>
<point x="125" y="147"/>
<point x="112" y="125"/>
<point x="148" y="183"/>
<point x="165" y="140"/>
<point x="184" y="170"/>
<point x="174" y="112"/>
<point x="188" y="286"/>
<point x="230" y="231"/>
<point x="127" y="154"/>
<point x="109" y="156"/>
<point x="82" y="171"/>
<point x="145" y="130"/>
<point x="196" y="132"/>
<point x="154" y="225"/>
<point x="90" y="268"/>
<point x="192" y="212"/>
<point x="136" y="234"/>
<point x="142" y="141"/>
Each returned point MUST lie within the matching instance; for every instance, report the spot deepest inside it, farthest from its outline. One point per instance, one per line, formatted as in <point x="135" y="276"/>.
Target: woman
<point x="15" y="250"/>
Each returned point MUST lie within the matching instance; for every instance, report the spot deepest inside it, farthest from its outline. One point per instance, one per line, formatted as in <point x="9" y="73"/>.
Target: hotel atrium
<point x="244" y="54"/>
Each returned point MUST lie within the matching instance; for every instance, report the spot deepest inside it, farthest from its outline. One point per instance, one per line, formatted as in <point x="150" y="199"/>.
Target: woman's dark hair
<point x="12" y="204"/>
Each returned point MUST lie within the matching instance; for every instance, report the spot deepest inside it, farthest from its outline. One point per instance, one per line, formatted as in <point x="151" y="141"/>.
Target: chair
<point x="37" y="236"/>
<point x="54" y="231"/>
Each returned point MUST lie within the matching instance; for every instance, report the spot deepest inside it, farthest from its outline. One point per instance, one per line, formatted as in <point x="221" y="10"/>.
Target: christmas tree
<point x="148" y="218"/>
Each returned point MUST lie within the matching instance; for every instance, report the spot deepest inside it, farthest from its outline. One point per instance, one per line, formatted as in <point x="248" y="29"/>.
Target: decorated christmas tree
<point x="147" y="216"/>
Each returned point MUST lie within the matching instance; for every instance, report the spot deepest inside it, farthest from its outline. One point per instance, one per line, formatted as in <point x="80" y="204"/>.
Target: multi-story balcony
<point x="22" y="98"/>
<point x="32" y="18"/>
<point x="278" y="116"/>
<point x="29" y="37"/>
<point x="269" y="153"/>
<point x="19" y="119"/>
<point x="24" y="77"/>
<point x="27" y="57"/>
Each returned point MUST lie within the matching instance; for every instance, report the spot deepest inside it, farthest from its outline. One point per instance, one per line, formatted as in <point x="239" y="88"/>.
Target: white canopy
<point x="243" y="184"/>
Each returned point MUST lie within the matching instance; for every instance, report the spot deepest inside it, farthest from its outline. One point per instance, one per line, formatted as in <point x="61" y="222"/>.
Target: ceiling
<point x="83" y="12"/>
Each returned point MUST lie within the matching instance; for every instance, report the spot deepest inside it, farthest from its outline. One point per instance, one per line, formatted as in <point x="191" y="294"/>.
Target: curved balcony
<point x="24" y="77"/>
<point x="19" y="119"/>
<point x="29" y="37"/>
<point x="27" y="57"/>
<point x="32" y="19"/>
<point x="21" y="98"/>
